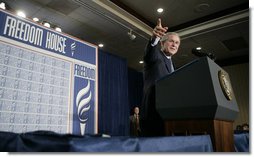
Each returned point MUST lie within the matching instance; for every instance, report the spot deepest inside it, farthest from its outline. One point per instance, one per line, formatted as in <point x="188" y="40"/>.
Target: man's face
<point x="136" y="110"/>
<point x="170" y="46"/>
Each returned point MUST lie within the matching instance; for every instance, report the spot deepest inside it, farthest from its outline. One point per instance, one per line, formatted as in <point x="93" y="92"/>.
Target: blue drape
<point x="135" y="84"/>
<point x="241" y="139"/>
<point x="113" y="107"/>
<point x="45" y="141"/>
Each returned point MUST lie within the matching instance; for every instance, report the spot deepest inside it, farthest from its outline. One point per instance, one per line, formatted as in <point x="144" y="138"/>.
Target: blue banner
<point x="38" y="36"/>
<point x="83" y="109"/>
<point x="50" y="84"/>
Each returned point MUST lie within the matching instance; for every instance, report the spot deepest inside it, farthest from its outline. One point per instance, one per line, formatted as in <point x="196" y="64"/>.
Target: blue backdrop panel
<point x="113" y="108"/>
<point x="48" y="80"/>
<point x="135" y="86"/>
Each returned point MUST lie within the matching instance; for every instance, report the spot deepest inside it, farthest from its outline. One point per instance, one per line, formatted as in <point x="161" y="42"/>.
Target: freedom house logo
<point x="84" y="116"/>
<point x="82" y="103"/>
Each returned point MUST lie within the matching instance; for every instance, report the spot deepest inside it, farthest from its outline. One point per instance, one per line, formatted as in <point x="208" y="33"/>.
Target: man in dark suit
<point x="134" y="123"/>
<point x="157" y="64"/>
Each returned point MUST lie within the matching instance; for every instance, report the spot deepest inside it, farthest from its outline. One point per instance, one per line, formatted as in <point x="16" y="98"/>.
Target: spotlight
<point x="198" y="48"/>
<point x="131" y="35"/>
<point x="2" y="5"/>
<point x="21" y="14"/>
<point x="160" y="10"/>
<point x="100" y="45"/>
<point x="46" y="24"/>
<point x="58" y="29"/>
<point x="35" y="19"/>
<point x="197" y="52"/>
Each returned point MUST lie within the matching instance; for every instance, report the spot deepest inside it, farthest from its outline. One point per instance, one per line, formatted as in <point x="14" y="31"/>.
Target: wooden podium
<point x="198" y="99"/>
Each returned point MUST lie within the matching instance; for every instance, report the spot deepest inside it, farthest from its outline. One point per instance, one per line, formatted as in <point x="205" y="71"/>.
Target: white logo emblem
<point x="83" y="106"/>
<point x="73" y="48"/>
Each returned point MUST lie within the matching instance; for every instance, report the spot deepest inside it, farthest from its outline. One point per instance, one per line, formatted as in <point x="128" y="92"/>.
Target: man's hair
<point x="165" y="37"/>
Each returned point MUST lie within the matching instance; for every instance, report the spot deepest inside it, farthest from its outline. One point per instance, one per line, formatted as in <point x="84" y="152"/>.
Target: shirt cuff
<point x="155" y="41"/>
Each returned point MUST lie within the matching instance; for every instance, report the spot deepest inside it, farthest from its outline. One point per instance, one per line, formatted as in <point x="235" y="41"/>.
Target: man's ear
<point x="162" y="47"/>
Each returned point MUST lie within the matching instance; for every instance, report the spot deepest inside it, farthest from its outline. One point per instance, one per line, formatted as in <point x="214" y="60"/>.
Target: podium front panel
<point x="194" y="92"/>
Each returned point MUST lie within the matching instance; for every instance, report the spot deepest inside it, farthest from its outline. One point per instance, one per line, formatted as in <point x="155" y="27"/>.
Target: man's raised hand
<point x="159" y="31"/>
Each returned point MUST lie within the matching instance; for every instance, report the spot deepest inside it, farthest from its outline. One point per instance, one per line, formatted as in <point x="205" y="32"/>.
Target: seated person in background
<point x="239" y="128"/>
<point x="134" y="123"/>
<point x="245" y="127"/>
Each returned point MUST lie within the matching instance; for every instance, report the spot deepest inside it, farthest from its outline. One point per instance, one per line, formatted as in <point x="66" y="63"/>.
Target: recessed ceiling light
<point x="159" y="10"/>
<point x="2" y="5"/>
<point x="46" y="24"/>
<point x="200" y="8"/>
<point x="58" y="29"/>
<point x="21" y="14"/>
<point x="100" y="45"/>
<point x="35" y="19"/>
<point x="141" y="62"/>
<point x="198" y="48"/>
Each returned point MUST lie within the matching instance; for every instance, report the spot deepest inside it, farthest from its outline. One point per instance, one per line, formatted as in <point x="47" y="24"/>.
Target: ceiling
<point x="220" y="27"/>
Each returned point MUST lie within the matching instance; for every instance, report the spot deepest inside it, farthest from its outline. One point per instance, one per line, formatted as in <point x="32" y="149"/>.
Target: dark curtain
<point x="113" y="106"/>
<point x="135" y="84"/>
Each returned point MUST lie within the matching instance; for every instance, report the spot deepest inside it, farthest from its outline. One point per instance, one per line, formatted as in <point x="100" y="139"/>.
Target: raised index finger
<point x="159" y="22"/>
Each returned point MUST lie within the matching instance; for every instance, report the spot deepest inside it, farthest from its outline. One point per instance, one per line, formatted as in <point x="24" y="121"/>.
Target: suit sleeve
<point x="151" y="51"/>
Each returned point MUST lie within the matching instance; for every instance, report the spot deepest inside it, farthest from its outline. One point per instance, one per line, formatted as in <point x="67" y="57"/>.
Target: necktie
<point x="137" y="122"/>
<point x="171" y="65"/>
